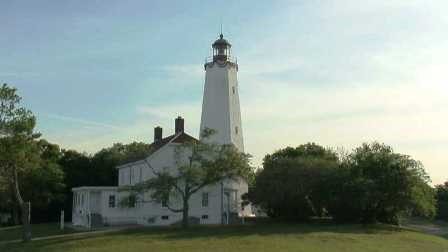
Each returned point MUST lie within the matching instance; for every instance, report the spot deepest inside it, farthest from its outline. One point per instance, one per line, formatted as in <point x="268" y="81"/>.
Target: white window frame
<point x="114" y="197"/>
<point x="205" y="200"/>
<point x="165" y="202"/>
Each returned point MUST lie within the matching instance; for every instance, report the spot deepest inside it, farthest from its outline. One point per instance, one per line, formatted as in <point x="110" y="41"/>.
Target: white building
<point x="216" y="204"/>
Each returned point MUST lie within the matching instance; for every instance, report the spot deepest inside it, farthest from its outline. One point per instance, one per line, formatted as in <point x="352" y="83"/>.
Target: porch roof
<point x="94" y="188"/>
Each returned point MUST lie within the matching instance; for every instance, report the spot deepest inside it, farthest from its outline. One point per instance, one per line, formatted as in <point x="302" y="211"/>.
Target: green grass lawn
<point x="260" y="237"/>
<point x="38" y="230"/>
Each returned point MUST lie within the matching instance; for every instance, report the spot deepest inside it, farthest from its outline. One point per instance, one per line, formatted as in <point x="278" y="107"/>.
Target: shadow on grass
<point x="275" y="229"/>
<point x="213" y="232"/>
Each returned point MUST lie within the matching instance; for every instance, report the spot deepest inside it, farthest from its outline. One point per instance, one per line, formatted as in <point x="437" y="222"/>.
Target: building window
<point x="204" y="199"/>
<point x="132" y="201"/>
<point x="165" y="202"/>
<point x="111" y="201"/>
<point x="205" y="217"/>
<point x="165" y="217"/>
<point x="236" y="130"/>
<point x="233" y="90"/>
<point x="140" y="179"/>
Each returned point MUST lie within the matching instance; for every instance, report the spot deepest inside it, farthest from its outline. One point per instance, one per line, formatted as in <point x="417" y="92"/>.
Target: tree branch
<point x="158" y="174"/>
<point x="174" y="210"/>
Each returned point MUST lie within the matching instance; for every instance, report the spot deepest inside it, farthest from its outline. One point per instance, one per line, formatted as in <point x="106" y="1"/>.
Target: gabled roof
<point x="181" y="137"/>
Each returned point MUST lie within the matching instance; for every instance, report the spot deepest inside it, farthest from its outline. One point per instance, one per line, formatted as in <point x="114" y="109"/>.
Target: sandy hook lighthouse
<point x="221" y="105"/>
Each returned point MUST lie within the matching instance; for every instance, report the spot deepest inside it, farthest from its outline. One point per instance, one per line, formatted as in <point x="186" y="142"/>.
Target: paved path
<point x="430" y="228"/>
<point x="79" y="234"/>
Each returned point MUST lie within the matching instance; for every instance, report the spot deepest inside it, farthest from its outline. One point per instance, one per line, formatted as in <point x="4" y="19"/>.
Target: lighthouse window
<point x="236" y="130"/>
<point x="233" y="90"/>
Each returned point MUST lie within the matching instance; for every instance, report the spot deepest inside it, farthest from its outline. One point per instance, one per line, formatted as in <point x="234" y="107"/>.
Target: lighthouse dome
<point x="221" y="43"/>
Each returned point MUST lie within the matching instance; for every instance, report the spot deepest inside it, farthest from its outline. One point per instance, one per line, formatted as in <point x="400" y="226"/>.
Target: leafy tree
<point x="18" y="153"/>
<point x="442" y="201"/>
<point x="105" y="161"/>
<point x="44" y="185"/>
<point x="288" y="186"/>
<point x="78" y="171"/>
<point x="381" y="185"/>
<point x="198" y="164"/>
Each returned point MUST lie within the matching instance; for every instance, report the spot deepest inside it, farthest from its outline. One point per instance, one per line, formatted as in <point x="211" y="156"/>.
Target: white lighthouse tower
<point x="221" y="105"/>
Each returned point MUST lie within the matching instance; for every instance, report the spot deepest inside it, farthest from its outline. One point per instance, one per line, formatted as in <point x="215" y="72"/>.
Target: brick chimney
<point x="157" y="134"/>
<point x="179" y="124"/>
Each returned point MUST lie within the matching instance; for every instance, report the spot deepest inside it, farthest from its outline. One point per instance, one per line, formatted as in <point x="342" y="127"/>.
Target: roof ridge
<point x="175" y="135"/>
<point x="155" y="147"/>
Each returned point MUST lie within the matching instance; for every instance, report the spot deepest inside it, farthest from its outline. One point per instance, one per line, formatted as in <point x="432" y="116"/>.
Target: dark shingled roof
<point x="181" y="137"/>
<point x="178" y="138"/>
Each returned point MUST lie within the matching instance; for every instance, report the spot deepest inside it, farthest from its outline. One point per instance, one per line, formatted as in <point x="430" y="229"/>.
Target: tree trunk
<point x="26" y="206"/>
<point x="25" y="209"/>
<point x="185" y="213"/>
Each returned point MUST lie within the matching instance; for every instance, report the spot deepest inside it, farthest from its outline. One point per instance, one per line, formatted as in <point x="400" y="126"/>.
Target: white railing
<point x="229" y="58"/>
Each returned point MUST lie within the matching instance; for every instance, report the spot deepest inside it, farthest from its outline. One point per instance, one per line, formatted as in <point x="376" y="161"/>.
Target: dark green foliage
<point x="442" y="201"/>
<point x="373" y="184"/>
<point x="106" y="160"/>
<point x="382" y="186"/>
<point x="289" y="184"/>
<point x="44" y="186"/>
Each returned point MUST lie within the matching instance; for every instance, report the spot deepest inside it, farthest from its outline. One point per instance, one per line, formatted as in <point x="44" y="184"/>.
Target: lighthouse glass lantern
<point x="221" y="49"/>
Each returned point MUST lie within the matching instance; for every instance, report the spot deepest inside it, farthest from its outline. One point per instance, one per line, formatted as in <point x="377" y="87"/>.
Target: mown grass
<point x="38" y="230"/>
<point x="260" y="237"/>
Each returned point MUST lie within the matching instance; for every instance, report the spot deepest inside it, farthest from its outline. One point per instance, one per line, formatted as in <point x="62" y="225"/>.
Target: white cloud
<point x="86" y="123"/>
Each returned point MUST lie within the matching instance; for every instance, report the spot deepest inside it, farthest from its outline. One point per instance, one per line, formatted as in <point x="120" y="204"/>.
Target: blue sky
<point x="334" y="72"/>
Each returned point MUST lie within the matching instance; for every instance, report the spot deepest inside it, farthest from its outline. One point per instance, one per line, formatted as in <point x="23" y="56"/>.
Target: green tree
<point x="78" y="171"/>
<point x="198" y="164"/>
<point x="44" y="185"/>
<point x="18" y="153"/>
<point x="442" y="201"/>
<point x="381" y="185"/>
<point x="289" y="185"/>
<point x="106" y="160"/>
